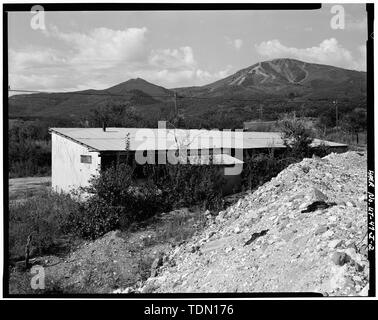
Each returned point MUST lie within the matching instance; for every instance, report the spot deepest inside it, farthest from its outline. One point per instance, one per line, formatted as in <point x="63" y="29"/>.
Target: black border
<point x="169" y="7"/>
<point x="161" y="6"/>
<point x="370" y="146"/>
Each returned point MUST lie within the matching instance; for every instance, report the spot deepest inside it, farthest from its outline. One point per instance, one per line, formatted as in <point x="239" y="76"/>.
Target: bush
<point x="296" y="137"/>
<point x="44" y="217"/>
<point x="115" y="201"/>
<point x="185" y="185"/>
<point x="261" y="167"/>
<point x="322" y="150"/>
<point x="29" y="149"/>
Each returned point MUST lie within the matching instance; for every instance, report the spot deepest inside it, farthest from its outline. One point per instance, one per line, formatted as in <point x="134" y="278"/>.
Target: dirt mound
<point x="303" y="231"/>
<point x="98" y="266"/>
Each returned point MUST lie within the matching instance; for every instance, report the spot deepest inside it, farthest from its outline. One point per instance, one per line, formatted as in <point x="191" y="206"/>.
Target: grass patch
<point x="44" y="218"/>
<point x="177" y="226"/>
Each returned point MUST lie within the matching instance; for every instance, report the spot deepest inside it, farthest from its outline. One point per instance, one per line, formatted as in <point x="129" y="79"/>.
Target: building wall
<point x="66" y="169"/>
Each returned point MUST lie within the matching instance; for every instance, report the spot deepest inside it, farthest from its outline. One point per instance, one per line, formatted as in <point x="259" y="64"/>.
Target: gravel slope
<point x="303" y="231"/>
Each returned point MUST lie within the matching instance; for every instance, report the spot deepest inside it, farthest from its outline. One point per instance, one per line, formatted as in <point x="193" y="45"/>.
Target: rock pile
<point x="303" y="231"/>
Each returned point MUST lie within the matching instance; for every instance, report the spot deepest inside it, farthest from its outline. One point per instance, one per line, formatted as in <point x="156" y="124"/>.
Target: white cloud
<point x="180" y="66"/>
<point x="238" y="43"/>
<point x="36" y="68"/>
<point x="235" y="43"/>
<point x="105" y="46"/>
<point x="101" y="58"/>
<point x="328" y="51"/>
<point x="173" y="58"/>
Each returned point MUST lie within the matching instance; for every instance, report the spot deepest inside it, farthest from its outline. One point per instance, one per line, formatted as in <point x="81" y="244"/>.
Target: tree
<point x="355" y="121"/>
<point x="116" y="115"/>
<point x="326" y="120"/>
<point x="296" y="137"/>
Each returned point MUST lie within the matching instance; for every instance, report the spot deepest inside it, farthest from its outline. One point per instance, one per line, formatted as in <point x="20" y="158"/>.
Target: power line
<point x="106" y="94"/>
<point x="174" y="95"/>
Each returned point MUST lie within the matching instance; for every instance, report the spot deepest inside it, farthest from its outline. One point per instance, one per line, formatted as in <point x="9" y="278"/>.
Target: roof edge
<point x="52" y="130"/>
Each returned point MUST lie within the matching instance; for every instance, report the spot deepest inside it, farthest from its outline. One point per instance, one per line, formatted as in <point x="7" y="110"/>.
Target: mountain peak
<point x="277" y="60"/>
<point x="136" y="80"/>
<point x="281" y="76"/>
<point x="140" y="85"/>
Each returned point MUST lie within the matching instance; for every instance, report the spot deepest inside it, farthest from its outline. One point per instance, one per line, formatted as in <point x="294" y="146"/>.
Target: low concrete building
<point x="80" y="153"/>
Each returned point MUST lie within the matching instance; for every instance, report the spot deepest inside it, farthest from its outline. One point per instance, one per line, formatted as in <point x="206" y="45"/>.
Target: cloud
<point x="173" y="58"/>
<point x="328" y="51"/>
<point x="105" y="46"/>
<point x="34" y="58"/>
<point x="180" y="66"/>
<point x="36" y="68"/>
<point x="101" y="58"/>
<point x="235" y="43"/>
<point x="238" y="43"/>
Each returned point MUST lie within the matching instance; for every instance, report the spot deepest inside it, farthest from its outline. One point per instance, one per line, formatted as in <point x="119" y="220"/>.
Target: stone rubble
<point x="303" y="231"/>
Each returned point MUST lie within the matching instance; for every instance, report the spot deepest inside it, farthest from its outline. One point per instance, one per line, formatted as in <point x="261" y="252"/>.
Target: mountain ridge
<point x="273" y="77"/>
<point x="285" y="79"/>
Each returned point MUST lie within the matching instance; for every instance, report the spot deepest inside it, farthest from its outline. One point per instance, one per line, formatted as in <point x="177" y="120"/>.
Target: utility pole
<point x="260" y="112"/>
<point x="337" y="114"/>
<point x="175" y="97"/>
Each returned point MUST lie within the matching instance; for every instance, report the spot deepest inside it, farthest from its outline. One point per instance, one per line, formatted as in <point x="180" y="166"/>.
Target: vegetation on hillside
<point x="29" y="149"/>
<point x="114" y="200"/>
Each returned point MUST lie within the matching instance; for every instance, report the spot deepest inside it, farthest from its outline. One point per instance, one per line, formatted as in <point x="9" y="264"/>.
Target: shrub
<point x="296" y="137"/>
<point x="261" y="167"/>
<point x="29" y="149"/>
<point x="44" y="217"/>
<point x="115" y="201"/>
<point x="184" y="185"/>
<point x="322" y="150"/>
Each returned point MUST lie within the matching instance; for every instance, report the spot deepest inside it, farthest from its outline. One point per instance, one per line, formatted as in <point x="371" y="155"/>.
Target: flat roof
<point x="114" y="139"/>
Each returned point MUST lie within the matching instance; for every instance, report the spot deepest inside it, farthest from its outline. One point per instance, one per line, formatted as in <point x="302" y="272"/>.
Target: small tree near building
<point x="355" y="122"/>
<point x="296" y="137"/>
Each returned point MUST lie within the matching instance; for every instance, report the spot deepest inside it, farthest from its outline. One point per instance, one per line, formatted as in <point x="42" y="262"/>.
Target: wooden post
<point x="176" y="111"/>
<point x="27" y="251"/>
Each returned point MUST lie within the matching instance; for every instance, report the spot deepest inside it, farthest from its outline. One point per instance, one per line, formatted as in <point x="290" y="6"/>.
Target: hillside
<point x="288" y="78"/>
<point x="137" y="92"/>
<point x="278" y="84"/>
<point x="303" y="231"/>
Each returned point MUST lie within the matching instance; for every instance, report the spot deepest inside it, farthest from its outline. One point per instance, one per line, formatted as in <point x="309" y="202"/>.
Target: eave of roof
<point x="114" y="139"/>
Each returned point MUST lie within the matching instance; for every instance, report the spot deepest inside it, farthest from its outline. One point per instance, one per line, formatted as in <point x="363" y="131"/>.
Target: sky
<point x="82" y="50"/>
